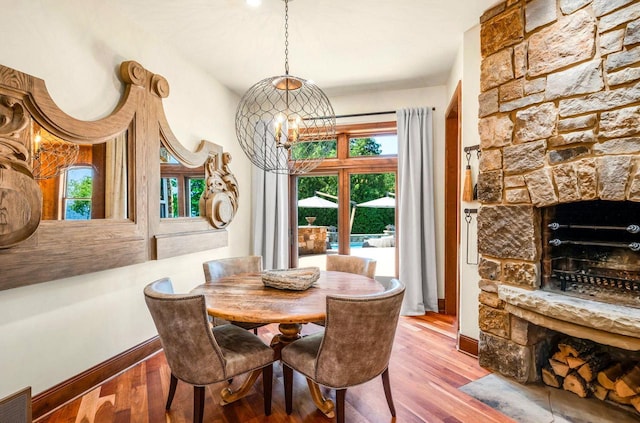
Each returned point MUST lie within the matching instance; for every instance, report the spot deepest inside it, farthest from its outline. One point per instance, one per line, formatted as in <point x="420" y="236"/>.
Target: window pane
<point x="196" y="187"/>
<point x="317" y="207"/>
<point x="373" y="229"/>
<point x="79" y="182"/>
<point x="169" y="197"/>
<point x="373" y="146"/>
<point x="314" y="150"/>
<point x="375" y="200"/>
<point x="78" y="192"/>
<point x="77" y="209"/>
<point x="166" y="157"/>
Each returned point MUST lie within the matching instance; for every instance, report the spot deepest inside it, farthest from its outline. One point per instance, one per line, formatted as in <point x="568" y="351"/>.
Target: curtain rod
<point x="369" y="114"/>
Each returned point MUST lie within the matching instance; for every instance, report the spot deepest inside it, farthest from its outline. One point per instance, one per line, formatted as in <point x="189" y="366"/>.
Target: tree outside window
<point x="364" y="187"/>
<point x="78" y="192"/>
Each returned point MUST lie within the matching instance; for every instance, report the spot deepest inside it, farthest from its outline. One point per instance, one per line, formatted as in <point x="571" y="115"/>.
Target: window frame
<point x="183" y="175"/>
<point x="64" y="186"/>
<point x="344" y="166"/>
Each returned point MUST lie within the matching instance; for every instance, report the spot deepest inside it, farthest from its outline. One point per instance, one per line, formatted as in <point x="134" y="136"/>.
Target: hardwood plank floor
<point x="426" y="371"/>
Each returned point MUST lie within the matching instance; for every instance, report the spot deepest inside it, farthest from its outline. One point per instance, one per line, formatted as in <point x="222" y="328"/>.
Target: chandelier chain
<point x="286" y="37"/>
<point x="283" y="121"/>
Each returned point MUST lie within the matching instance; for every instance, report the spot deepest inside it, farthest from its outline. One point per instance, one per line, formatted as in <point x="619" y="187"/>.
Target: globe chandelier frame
<point x="282" y="121"/>
<point x="52" y="155"/>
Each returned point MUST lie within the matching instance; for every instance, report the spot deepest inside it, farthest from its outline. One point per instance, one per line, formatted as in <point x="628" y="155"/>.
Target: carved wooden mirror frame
<point x="33" y="251"/>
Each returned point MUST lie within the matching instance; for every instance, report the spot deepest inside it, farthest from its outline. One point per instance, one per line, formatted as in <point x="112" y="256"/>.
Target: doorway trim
<point x="453" y="138"/>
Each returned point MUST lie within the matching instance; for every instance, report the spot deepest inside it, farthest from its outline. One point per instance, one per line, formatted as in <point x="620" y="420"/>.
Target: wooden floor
<point x="426" y="372"/>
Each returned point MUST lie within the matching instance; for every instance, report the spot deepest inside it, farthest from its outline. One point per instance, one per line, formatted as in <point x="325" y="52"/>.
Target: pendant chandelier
<point x="52" y="155"/>
<point x="283" y="121"/>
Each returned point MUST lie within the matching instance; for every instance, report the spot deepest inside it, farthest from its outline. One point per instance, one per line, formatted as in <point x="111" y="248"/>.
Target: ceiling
<point x="345" y="46"/>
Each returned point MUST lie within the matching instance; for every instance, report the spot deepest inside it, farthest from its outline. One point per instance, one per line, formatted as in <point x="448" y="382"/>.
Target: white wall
<point x="52" y="331"/>
<point x="469" y="273"/>
<point x="455" y="75"/>
<point x="467" y="69"/>
<point x="55" y="330"/>
<point x="382" y="101"/>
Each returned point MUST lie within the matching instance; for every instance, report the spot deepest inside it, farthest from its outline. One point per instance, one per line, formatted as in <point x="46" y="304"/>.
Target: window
<point x="195" y="188"/>
<point x="351" y="195"/>
<point x="169" y="197"/>
<point x="78" y="191"/>
<point x="314" y="149"/>
<point x="384" y="145"/>
<point x="180" y="187"/>
<point x="180" y="195"/>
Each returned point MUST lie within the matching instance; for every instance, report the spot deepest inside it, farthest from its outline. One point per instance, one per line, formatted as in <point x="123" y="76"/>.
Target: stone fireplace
<point x="559" y="133"/>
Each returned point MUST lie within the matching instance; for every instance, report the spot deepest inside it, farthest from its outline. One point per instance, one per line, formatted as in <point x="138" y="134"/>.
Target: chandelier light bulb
<point x="36" y="144"/>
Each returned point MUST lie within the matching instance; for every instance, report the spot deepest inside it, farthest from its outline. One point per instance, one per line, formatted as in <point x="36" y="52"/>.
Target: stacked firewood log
<point x="582" y="367"/>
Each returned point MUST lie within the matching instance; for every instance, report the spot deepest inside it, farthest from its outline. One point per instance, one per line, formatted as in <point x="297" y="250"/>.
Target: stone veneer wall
<point x="312" y="240"/>
<point x="559" y="122"/>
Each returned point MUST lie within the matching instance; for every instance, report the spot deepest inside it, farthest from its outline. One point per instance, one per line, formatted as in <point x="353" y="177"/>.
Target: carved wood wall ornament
<point x="219" y="201"/>
<point x="33" y="251"/>
<point x="20" y="196"/>
<point x="13" y="121"/>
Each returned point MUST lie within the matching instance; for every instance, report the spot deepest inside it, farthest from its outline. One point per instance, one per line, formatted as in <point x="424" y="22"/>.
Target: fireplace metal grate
<point x="571" y="270"/>
<point x="591" y="250"/>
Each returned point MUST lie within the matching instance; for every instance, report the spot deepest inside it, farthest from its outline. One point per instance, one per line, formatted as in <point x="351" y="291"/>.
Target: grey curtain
<point x="270" y="221"/>
<point x="416" y="220"/>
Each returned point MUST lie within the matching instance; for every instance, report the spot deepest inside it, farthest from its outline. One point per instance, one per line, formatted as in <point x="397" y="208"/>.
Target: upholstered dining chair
<point x="334" y="358"/>
<point x="351" y="264"/>
<point x="220" y="268"/>
<point x="198" y="354"/>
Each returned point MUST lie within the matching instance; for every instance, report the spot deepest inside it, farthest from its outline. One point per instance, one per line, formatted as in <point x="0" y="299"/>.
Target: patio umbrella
<point x="316" y="202"/>
<point x="382" y="202"/>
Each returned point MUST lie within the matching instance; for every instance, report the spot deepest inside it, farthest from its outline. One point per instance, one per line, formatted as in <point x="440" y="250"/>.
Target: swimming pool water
<point x="334" y="245"/>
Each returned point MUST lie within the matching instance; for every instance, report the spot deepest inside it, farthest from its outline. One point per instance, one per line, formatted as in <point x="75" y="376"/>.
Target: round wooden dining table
<point x="244" y="298"/>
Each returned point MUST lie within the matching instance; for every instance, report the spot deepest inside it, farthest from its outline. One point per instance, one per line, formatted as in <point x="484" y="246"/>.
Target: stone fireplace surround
<point x="559" y="122"/>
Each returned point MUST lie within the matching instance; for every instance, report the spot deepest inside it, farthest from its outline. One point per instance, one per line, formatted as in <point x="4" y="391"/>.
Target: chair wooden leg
<point x="287" y="372"/>
<point x="340" y="396"/>
<point x="255" y="331"/>
<point x="267" y="383"/>
<point x="198" y="404"/>
<point x="387" y="392"/>
<point x="172" y="391"/>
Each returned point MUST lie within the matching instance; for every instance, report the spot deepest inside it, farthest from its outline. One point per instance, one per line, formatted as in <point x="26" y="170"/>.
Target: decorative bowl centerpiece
<point x="293" y="279"/>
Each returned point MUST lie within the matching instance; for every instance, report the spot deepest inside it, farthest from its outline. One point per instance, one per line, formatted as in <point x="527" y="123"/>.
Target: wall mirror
<point x="180" y="187"/>
<point x="81" y="181"/>
<point x="82" y="196"/>
<point x="184" y="225"/>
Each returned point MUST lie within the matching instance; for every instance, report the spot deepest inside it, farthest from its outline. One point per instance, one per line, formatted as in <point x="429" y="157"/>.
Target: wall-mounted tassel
<point x="467" y="192"/>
